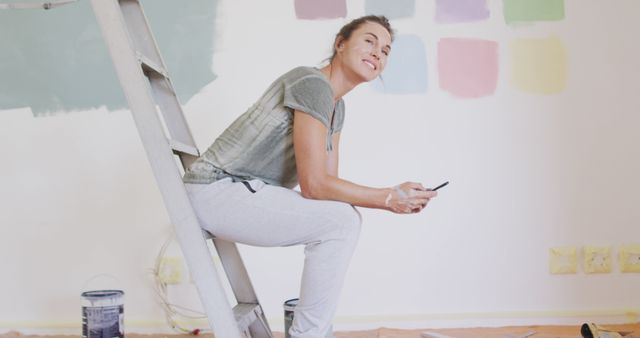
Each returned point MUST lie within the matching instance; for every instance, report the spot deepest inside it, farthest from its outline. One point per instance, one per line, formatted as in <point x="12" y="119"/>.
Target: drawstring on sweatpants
<point x="246" y="184"/>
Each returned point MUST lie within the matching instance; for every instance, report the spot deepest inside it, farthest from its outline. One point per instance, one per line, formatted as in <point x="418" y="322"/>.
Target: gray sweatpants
<point x="276" y="216"/>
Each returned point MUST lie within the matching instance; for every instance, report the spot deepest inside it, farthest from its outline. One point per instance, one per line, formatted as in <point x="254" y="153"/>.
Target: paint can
<point x="289" y="307"/>
<point x="103" y="314"/>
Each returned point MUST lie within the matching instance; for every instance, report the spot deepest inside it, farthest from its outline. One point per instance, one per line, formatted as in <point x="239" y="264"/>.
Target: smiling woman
<point x="371" y="27"/>
<point x="241" y="187"/>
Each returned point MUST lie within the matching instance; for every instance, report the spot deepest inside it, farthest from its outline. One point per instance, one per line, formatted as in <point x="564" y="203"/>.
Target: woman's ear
<point x="339" y="43"/>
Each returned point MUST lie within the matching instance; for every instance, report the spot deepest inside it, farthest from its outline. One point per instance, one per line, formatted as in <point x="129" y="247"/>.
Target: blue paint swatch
<point x="391" y="9"/>
<point x="406" y="72"/>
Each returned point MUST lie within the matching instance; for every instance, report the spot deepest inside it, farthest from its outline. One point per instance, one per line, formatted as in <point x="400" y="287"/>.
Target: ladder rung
<point x="207" y="235"/>
<point x="148" y="63"/>
<point x="183" y="148"/>
<point x="246" y="314"/>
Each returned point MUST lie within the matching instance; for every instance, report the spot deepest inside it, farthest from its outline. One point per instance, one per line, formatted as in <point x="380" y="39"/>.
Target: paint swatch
<point x="468" y="68"/>
<point x="315" y="10"/>
<point x="57" y="60"/>
<point x="391" y="9"/>
<point x="519" y="11"/>
<point x="406" y="72"/>
<point x="454" y="11"/>
<point x="538" y="65"/>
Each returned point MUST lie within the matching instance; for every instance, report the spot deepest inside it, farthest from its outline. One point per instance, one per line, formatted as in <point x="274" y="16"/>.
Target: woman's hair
<point x="346" y="30"/>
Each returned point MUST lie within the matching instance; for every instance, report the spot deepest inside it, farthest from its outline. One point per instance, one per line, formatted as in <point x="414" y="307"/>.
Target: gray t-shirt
<point x="259" y="144"/>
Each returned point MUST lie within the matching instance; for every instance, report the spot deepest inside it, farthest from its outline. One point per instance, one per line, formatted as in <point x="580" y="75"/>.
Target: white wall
<point x="527" y="172"/>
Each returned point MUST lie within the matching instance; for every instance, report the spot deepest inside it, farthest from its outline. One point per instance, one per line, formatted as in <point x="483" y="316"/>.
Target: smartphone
<point x="440" y="186"/>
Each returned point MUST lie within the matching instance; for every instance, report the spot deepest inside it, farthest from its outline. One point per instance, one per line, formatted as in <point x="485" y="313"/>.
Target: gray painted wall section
<point x="55" y="61"/>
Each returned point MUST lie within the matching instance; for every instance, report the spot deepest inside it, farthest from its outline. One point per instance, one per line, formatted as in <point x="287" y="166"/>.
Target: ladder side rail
<point x="113" y="27"/>
<point x="143" y="40"/>
<point x="260" y="328"/>
<point x="163" y="90"/>
<point x="171" y="110"/>
<point x="161" y="83"/>
<point x="241" y="285"/>
<point x="181" y="140"/>
<point x="235" y="270"/>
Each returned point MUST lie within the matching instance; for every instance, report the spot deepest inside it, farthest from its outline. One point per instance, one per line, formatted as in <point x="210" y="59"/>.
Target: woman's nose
<point x="376" y="53"/>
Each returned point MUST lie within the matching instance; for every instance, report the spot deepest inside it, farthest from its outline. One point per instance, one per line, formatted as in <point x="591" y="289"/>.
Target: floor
<point x="501" y="332"/>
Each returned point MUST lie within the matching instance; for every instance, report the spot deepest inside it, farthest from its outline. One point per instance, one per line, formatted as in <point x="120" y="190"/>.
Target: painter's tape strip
<point x="44" y="5"/>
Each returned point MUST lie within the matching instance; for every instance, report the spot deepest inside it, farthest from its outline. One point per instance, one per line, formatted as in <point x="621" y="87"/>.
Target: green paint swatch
<point x="533" y="10"/>
<point x="56" y="60"/>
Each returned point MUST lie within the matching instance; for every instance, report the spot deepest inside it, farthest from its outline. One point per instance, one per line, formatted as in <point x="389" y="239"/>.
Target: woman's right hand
<point x="408" y="198"/>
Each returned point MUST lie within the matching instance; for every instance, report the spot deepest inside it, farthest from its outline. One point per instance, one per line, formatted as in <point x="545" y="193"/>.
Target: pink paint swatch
<point x="315" y="9"/>
<point x="468" y="68"/>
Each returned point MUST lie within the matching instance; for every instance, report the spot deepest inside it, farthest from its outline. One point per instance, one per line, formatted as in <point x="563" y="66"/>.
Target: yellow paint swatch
<point x="538" y="65"/>
<point x="597" y="259"/>
<point x="563" y="260"/>
<point x="630" y="258"/>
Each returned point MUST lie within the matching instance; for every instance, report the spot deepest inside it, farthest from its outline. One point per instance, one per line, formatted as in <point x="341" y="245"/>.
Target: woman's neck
<point x="340" y="82"/>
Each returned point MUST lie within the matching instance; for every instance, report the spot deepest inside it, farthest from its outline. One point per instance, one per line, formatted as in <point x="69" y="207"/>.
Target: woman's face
<point x="365" y="53"/>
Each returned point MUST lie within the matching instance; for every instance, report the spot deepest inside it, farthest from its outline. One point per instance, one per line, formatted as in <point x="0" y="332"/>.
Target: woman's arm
<point x="334" y="156"/>
<point x="316" y="167"/>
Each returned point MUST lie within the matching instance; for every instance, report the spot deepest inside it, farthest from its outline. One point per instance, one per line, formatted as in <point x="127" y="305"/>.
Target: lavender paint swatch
<point x="326" y="9"/>
<point x="391" y="9"/>
<point x="406" y="72"/>
<point x="454" y="11"/>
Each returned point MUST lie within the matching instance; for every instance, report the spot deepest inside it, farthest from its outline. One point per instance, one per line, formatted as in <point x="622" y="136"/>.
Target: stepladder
<point x="165" y="135"/>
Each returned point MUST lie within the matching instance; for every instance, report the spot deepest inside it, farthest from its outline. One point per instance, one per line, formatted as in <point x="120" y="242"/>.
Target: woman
<point x="241" y="187"/>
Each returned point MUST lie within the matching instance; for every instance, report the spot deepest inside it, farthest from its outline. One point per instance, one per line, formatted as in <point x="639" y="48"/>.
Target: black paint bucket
<point x="289" y="308"/>
<point x="103" y="314"/>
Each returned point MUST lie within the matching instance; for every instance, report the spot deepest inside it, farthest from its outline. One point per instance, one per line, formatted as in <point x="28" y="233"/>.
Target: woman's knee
<point x="347" y="219"/>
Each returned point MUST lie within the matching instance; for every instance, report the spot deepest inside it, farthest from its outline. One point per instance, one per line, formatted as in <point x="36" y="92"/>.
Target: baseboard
<point x="350" y="323"/>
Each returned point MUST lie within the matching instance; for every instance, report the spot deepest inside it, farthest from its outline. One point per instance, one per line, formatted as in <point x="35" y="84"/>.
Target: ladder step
<point x="183" y="148"/>
<point x="207" y="235"/>
<point x="148" y="64"/>
<point x="246" y="314"/>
